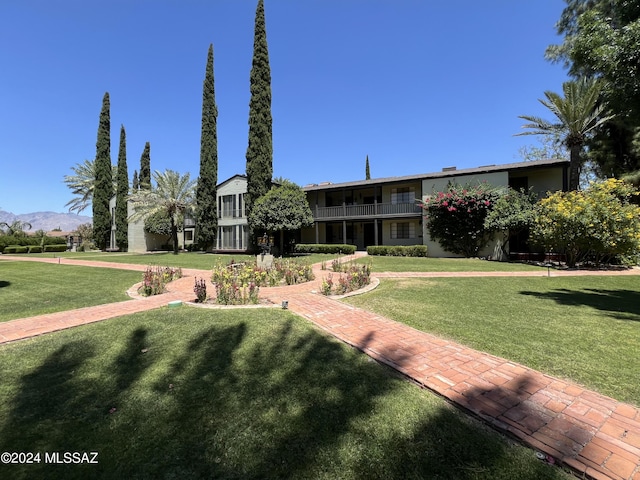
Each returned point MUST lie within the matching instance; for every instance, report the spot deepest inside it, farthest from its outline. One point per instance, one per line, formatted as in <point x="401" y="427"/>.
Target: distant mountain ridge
<point x="47" y="221"/>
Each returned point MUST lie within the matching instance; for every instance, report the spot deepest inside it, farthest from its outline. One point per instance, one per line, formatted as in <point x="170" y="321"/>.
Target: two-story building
<point x="385" y="211"/>
<point x="382" y="211"/>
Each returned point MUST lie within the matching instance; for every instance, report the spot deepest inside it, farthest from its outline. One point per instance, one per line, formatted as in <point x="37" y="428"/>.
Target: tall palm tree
<point x="82" y="183"/>
<point x="579" y="113"/>
<point x="172" y="196"/>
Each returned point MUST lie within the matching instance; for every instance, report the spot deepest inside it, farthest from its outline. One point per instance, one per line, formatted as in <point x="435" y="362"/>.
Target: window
<point x="403" y="195"/>
<point x="241" y="212"/>
<point x="188" y="235"/>
<point x="228" y="206"/>
<point x="228" y="238"/>
<point x="403" y="230"/>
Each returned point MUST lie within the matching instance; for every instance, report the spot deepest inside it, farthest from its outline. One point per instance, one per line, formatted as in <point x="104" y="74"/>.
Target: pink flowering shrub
<point x="455" y="218"/>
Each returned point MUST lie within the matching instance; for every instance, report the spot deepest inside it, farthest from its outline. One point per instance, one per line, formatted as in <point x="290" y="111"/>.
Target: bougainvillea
<point x="595" y="224"/>
<point x="455" y="217"/>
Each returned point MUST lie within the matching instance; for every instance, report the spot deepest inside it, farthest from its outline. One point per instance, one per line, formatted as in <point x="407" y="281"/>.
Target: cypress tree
<point x="144" y="179"/>
<point x="103" y="188"/>
<point x="122" y="192"/>
<point x="135" y="186"/>
<point x="260" y="149"/>
<point x="206" y="205"/>
<point x="367" y="172"/>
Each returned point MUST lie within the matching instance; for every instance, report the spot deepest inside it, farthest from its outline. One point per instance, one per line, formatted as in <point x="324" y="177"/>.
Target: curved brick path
<point x="595" y="435"/>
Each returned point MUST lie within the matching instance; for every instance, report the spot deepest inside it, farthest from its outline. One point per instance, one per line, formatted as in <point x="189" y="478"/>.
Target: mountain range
<point x="46" y="221"/>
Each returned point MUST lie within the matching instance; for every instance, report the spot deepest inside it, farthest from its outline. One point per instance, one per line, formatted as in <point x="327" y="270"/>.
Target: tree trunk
<point x="174" y="236"/>
<point x="574" y="167"/>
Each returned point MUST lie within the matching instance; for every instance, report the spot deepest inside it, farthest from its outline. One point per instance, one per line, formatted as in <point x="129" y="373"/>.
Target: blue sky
<point x="416" y="85"/>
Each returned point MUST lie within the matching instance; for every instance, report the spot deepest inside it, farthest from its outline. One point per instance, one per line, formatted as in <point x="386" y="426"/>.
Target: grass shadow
<point x="4" y="283"/>
<point x="230" y="400"/>
<point x="622" y="304"/>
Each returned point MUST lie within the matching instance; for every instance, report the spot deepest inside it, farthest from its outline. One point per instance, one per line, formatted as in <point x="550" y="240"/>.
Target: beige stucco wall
<point x="386" y="233"/>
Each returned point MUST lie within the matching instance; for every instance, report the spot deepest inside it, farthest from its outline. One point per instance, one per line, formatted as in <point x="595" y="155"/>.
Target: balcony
<point x="231" y="213"/>
<point x="371" y="210"/>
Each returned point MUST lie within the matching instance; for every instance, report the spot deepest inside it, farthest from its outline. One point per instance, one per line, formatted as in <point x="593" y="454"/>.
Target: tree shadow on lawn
<point x="227" y="405"/>
<point x="619" y="304"/>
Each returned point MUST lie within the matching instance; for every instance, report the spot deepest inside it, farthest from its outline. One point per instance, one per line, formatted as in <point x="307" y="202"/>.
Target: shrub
<point x="47" y="240"/>
<point x="398" y="251"/>
<point x="455" y="218"/>
<point x="238" y="284"/>
<point x="16" y="249"/>
<point x="154" y="279"/>
<point x="599" y="223"/>
<point x="325" y="248"/>
<point x="200" y="289"/>
<point x="512" y="214"/>
<point x="55" y="248"/>
<point x="35" y="249"/>
<point x="14" y="241"/>
<point x="354" y="278"/>
<point x="293" y="272"/>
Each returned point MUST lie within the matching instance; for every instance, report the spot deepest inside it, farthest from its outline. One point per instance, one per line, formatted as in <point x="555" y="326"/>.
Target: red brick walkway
<point x="595" y="435"/>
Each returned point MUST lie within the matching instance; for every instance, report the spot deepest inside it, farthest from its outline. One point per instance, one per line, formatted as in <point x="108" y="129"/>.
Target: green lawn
<point x="31" y="288"/>
<point x="195" y="393"/>
<point x="427" y="264"/>
<point x="583" y="328"/>
<point x="198" y="260"/>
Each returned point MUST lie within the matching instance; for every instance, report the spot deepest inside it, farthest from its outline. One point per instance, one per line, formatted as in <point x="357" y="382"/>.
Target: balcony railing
<point x="370" y="210"/>
<point x="231" y="213"/>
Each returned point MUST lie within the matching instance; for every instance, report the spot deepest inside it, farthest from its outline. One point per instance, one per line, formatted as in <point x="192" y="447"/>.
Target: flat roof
<point x="447" y="172"/>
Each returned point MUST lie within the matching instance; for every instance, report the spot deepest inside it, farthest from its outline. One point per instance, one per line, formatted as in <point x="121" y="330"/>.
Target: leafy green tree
<point x="122" y="193"/>
<point x="367" y="172"/>
<point x="282" y="209"/>
<point x="159" y="223"/>
<point x="172" y="196"/>
<point x="260" y="148"/>
<point x="600" y="40"/>
<point x="578" y="115"/>
<point x="103" y="189"/>
<point x="206" y="202"/>
<point x="511" y="214"/>
<point x="85" y="231"/>
<point x="82" y="184"/>
<point x="599" y="223"/>
<point x="144" y="178"/>
<point x="455" y="218"/>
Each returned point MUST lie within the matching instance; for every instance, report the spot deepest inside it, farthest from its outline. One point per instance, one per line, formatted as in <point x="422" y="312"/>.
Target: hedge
<point x="16" y="249"/>
<point x="35" y="249"/>
<point x="398" y="250"/>
<point x="55" y="248"/>
<point x="324" y="248"/>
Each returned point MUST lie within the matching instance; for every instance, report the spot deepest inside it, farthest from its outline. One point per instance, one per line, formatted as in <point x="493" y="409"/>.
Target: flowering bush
<point x="200" y="289"/>
<point x="455" y="218"/>
<point x="327" y="285"/>
<point x="596" y="224"/>
<point x="354" y="278"/>
<point x="240" y="283"/>
<point x="293" y="272"/>
<point x="155" y="278"/>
